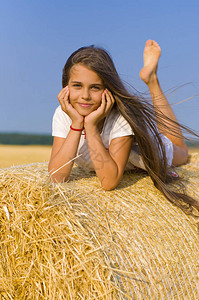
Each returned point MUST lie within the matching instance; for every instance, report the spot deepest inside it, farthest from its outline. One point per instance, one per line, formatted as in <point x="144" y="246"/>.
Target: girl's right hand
<point x="63" y="97"/>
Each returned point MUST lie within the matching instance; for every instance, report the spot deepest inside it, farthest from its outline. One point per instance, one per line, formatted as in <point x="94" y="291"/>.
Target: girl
<point x="110" y="130"/>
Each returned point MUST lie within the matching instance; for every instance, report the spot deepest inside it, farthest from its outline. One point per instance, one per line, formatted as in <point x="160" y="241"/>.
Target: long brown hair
<point x="139" y="113"/>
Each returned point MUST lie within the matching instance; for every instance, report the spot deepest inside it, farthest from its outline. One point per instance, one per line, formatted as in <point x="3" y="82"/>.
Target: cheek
<point x="98" y="97"/>
<point x="73" y="95"/>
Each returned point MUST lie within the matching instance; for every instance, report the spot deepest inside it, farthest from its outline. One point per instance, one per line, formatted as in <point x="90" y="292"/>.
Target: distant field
<point x="193" y="149"/>
<point x="16" y="155"/>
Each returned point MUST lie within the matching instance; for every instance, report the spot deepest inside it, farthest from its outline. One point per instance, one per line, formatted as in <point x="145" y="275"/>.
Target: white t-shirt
<point x="114" y="126"/>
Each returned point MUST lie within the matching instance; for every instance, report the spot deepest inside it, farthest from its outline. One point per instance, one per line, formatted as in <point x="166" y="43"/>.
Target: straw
<point x="76" y="241"/>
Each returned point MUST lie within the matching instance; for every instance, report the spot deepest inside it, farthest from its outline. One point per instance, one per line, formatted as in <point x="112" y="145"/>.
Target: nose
<point x="85" y="94"/>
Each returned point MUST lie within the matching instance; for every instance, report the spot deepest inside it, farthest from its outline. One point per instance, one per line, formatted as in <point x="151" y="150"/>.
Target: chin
<point x="84" y="114"/>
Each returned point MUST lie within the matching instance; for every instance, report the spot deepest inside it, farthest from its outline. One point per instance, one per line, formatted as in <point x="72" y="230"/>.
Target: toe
<point x="149" y="42"/>
<point x="155" y="44"/>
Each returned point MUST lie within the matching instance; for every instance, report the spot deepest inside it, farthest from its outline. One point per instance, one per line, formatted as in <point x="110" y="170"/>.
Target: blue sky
<point x="38" y="36"/>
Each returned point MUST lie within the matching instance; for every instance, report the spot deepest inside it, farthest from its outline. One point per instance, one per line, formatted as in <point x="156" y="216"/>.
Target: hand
<point x="103" y="110"/>
<point x="63" y="98"/>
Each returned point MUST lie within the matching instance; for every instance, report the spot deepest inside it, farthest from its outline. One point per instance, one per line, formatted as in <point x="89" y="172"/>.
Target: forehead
<point x="83" y="74"/>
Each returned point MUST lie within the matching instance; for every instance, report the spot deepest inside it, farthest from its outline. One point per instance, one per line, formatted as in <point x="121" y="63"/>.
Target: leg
<point x="148" y="74"/>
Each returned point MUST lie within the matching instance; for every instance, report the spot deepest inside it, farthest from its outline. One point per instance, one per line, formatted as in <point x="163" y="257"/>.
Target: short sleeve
<point x="168" y="148"/>
<point x="61" y="123"/>
<point x="120" y="128"/>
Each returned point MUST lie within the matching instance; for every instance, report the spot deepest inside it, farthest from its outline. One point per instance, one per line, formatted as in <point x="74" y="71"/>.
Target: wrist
<point x="91" y="129"/>
<point x="75" y="129"/>
<point x="78" y="126"/>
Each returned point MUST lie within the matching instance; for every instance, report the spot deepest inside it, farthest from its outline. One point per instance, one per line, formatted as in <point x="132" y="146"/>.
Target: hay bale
<point x="76" y="241"/>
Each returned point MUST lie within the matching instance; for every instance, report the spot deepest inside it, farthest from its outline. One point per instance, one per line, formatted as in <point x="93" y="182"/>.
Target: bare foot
<point x="152" y="52"/>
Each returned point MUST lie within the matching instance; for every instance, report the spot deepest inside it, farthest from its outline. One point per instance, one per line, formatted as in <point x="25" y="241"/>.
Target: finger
<point x="66" y="96"/>
<point x="109" y="94"/>
<point x="64" y="101"/>
<point x="104" y="102"/>
<point x="62" y="94"/>
<point x="110" y="101"/>
<point x="63" y="91"/>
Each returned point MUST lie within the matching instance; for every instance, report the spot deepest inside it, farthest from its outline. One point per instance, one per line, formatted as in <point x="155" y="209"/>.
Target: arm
<point x="109" y="165"/>
<point x="65" y="149"/>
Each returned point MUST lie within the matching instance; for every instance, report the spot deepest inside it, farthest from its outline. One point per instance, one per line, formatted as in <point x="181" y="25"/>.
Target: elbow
<point x="109" y="185"/>
<point x="110" y="182"/>
<point x="108" y="188"/>
<point x="58" y="177"/>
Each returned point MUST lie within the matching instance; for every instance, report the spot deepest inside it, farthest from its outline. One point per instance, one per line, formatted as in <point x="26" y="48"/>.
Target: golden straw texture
<point x="76" y="241"/>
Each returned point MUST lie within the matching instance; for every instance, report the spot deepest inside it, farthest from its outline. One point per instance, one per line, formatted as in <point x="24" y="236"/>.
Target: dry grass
<point x="11" y="155"/>
<point x="17" y="155"/>
<point x="76" y="241"/>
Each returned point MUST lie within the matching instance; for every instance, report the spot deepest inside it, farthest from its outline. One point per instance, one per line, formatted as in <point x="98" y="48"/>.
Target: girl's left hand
<point x="103" y="110"/>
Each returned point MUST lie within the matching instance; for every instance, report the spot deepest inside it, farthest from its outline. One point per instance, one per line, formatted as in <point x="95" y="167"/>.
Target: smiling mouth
<point x="85" y="105"/>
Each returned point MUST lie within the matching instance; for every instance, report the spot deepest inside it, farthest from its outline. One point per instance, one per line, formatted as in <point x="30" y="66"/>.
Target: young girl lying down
<point x="110" y="130"/>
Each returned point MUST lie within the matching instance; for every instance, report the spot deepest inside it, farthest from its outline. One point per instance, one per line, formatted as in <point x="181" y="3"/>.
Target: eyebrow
<point x="98" y="84"/>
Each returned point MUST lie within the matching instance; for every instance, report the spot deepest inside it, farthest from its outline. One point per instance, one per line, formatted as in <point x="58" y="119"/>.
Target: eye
<point x="77" y="85"/>
<point x="96" y="88"/>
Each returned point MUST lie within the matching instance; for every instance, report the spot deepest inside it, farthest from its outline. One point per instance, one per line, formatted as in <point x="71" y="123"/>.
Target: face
<point x="86" y="89"/>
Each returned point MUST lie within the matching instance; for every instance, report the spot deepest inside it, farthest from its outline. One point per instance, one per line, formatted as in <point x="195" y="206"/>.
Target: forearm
<point x="104" y="165"/>
<point x="60" y="166"/>
<point x="162" y="105"/>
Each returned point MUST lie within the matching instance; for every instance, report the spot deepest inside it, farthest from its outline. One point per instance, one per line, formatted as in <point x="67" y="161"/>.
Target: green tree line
<point x="39" y="139"/>
<point x="25" y="139"/>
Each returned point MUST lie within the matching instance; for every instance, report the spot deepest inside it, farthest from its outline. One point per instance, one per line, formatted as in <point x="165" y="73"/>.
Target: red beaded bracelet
<point x="75" y="129"/>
